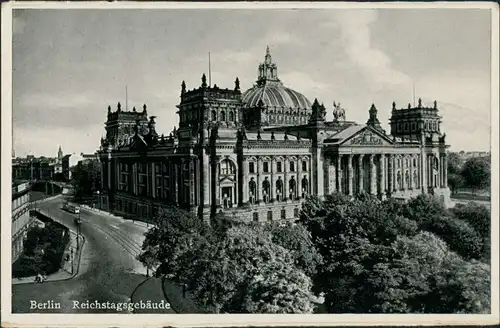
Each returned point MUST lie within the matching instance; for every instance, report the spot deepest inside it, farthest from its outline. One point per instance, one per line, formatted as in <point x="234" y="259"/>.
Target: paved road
<point x="108" y="270"/>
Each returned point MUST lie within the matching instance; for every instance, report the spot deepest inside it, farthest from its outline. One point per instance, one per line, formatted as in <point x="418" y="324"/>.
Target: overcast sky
<point x="69" y="65"/>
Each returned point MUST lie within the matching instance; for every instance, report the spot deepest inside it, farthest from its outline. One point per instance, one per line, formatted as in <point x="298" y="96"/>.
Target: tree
<point x="423" y="208"/>
<point x="353" y="238"/>
<point x="224" y="274"/>
<point x="479" y="217"/>
<point x="296" y="239"/>
<point x="455" y="182"/>
<point x="175" y="234"/>
<point x="86" y="179"/>
<point x="477" y="173"/>
<point x="279" y="288"/>
<point x="455" y="163"/>
<point x="460" y="287"/>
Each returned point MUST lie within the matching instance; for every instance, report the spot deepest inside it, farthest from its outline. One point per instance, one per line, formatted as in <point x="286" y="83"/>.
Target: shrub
<point x="459" y="236"/>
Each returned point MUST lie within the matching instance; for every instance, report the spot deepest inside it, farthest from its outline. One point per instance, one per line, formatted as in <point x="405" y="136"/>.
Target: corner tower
<point x="416" y="122"/>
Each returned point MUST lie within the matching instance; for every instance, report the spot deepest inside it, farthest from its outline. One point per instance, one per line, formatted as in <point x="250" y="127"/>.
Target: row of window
<point x="270" y="215"/>
<point x="280" y="167"/>
<point x="410" y="127"/>
<point x="230" y="117"/>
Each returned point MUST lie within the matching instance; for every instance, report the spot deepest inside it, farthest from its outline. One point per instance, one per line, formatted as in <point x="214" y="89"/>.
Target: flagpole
<point x="209" y="71"/>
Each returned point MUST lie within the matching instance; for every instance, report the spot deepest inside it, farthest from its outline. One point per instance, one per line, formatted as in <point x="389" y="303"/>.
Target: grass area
<point x="179" y="303"/>
<point x="484" y="195"/>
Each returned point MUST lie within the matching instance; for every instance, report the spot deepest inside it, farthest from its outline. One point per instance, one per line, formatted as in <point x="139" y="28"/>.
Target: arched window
<point x="226" y="167"/>
<point x="266" y="187"/>
<point x="223" y="116"/>
<point x="252" y="188"/>
<point x="400" y="183"/>
<point x="305" y="186"/>
<point x="214" y="115"/>
<point x="292" y="185"/>
<point x="231" y="117"/>
<point x="279" y="189"/>
<point x="407" y="179"/>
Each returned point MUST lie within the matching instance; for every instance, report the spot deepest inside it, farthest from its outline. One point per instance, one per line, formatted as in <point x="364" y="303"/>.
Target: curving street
<point x="108" y="269"/>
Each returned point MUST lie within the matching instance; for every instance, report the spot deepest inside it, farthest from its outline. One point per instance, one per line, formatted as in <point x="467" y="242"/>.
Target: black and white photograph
<point x="249" y="158"/>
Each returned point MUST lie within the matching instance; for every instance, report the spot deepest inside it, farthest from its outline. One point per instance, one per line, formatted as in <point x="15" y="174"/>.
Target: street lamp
<point x="98" y="200"/>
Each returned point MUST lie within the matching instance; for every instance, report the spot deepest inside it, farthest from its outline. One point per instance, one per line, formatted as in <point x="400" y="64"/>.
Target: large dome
<point x="275" y="95"/>
<point x="271" y="93"/>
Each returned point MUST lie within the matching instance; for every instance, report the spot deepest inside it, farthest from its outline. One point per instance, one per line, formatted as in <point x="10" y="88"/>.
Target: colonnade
<point x="385" y="174"/>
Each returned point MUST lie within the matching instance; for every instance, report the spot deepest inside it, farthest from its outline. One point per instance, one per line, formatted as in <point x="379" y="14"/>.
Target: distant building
<point x="33" y="168"/>
<point x="89" y="158"/>
<point x="68" y="162"/>
<point x="21" y="220"/>
<point x="256" y="155"/>
<point x="471" y="154"/>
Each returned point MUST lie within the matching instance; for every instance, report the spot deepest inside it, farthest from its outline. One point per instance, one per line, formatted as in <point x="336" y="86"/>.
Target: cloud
<point x="355" y="35"/>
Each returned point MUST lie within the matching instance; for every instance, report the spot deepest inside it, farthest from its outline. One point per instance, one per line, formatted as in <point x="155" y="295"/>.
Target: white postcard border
<point x="194" y="320"/>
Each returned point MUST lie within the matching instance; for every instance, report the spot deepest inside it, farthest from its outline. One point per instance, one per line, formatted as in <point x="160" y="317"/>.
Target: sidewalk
<point x="65" y="273"/>
<point x="139" y="223"/>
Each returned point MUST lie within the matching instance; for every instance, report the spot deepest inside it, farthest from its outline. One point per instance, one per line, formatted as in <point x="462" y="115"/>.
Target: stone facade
<point x="21" y="220"/>
<point x="222" y="159"/>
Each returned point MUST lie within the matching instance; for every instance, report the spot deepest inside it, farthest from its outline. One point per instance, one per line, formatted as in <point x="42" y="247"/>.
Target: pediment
<point x="226" y="180"/>
<point x="368" y="137"/>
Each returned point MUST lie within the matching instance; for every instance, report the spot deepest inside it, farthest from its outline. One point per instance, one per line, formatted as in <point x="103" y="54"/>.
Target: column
<point x="445" y="168"/>
<point x="135" y="182"/>
<point x="206" y="178"/>
<point x="423" y="171"/>
<point x="382" y="175"/>
<point x="217" y="179"/>
<point x="272" y="193"/>
<point x="332" y="176"/>
<point x="286" y="187"/>
<point x="319" y="183"/>
<point x="394" y="173"/>
<point x="245" y="181"/>
<point x="339" y="173"/>
<point x="259" y="182"/>
<point x="373" y="176"/>
<point x="361" y="174"/>
<point x="110" y="187"/>
<point x="410" y="171"/>
<point x="350" y="172"/>
<point x="192" y="180"/>
<point x="153" y="180"/>
<point x="403" y="171"/>
<point x="299" y="174"/>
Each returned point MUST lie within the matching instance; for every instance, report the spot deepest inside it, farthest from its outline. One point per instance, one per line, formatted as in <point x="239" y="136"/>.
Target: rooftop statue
<point x="338" y="112"/>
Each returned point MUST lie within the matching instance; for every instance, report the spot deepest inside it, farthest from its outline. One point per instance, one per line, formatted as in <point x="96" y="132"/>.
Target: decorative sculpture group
<point x="338" y="112"/>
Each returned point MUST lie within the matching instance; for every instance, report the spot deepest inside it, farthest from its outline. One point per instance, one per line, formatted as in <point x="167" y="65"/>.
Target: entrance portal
<point x="227" y="197"/>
